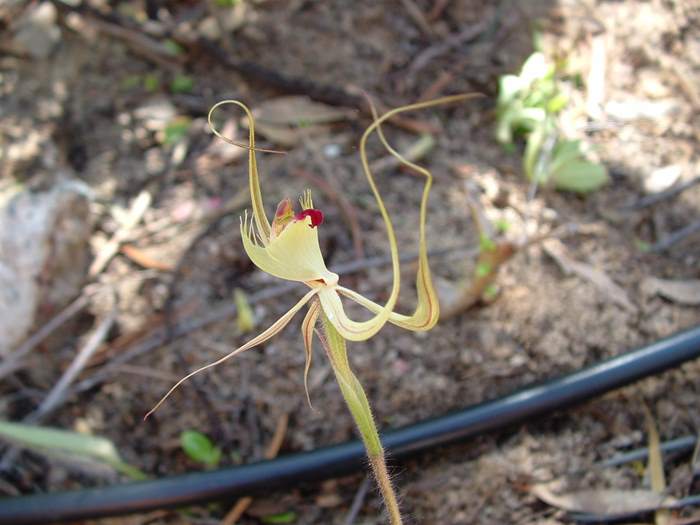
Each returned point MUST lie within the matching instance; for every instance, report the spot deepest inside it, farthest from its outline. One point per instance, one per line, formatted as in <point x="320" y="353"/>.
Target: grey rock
<point x="37" y="33"/>
<point x="44" y="255"/>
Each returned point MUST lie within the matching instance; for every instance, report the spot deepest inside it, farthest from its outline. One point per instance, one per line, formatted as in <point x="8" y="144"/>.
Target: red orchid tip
<point x="316" y="216"/>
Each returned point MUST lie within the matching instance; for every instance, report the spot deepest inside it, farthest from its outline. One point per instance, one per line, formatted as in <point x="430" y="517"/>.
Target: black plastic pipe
<point x="290" y="471"/>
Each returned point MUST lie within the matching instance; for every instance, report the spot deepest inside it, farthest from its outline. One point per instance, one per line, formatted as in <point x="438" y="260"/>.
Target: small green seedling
<point x="527" y="106"/>
<point x="282" y="517"/>
<point x="151" y="82"/>
<point x="173" y="47"/>
<point x="176" y="130"/>
<point x="200" y="448"/>
<point x="245" y="319"/>
<point x="182" y="84"/>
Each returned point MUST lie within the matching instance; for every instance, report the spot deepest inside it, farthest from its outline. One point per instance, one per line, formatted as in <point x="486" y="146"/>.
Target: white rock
<point x="43" y="255"/>
<point x="634" y="109"/>
<point x="37" y="33"/>
<point x="661" y="179"/>
<point x="156" y="114"/>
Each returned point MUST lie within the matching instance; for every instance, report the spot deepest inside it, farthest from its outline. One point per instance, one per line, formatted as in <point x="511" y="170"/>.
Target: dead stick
<point x="666" y="194"/>
<point x="58" y="393"/>
<point x="272" y="450"/>
<point x="12" y="363"/>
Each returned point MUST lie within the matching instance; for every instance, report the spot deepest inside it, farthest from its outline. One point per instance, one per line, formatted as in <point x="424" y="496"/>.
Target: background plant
<point x="527" y="106"/>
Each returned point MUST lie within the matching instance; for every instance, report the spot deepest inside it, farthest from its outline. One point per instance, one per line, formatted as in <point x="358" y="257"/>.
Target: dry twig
<point x="466" y="35"/>
<point x="110" y="249"/>
<point x="357" y="501"/>
<point x="272" y="450"/>
<point x="14" y="361"/>
<point x="650" y="200"/>
<point x="675" y="237"/>
<point x="59" y="392"/>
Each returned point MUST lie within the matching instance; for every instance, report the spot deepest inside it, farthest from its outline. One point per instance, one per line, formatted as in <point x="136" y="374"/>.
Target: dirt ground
<point x="100" y="107"/>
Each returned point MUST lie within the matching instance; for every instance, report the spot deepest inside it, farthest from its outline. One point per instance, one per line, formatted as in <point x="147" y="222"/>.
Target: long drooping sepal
<point x="261" y="221"/>
<point x="276" y="328"/>
<point x="307" y="332"/>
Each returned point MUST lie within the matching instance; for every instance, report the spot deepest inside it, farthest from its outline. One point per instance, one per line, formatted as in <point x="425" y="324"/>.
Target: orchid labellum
<point x="288" y="248"/>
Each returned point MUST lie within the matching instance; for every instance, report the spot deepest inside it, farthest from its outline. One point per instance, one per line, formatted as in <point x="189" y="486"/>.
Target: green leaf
<point x="130" y="82"/>
<point x="173" y="47"/>
<point x="182" y="84"/>
<point x="486" y="244"/>
<point x="176" y="130"/>
<point x="151" y="82"/>
<point x="483" y="269"/>
<point x="564" y="152"/>
<point x="580" y="176"/>
<point x="490" y="292"/>
<point x="200" y="448"/>
<point x="535" y="68"/>
<point x="47" y="440"/>
<point x="245" y="316"/>
<point x="502" y="225"/>
<point x="509" y="87"/>
<point x="531" y="156"/>
<point x="557" y="103"/>
<point x="227" y="3"/>
<point x="283" y="517"/>
<point x="642" y="246"/>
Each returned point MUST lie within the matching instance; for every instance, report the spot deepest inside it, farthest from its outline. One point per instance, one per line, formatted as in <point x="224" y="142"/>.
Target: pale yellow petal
<point x="276" y="328"/>
<point x="294" y="255"/>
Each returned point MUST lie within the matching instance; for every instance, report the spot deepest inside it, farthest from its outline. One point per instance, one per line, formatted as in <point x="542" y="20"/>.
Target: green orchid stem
<point x="359" y="407"/>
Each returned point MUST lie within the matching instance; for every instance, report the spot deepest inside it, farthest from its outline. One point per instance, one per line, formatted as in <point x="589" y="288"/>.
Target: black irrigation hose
<point x="327" y="462"/>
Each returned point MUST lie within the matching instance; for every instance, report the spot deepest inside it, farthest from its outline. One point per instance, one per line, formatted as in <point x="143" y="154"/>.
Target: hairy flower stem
<point x="357" y="402"/>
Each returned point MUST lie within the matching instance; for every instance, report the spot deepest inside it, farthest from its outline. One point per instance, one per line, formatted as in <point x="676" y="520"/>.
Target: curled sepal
<point x="276" y="328"/>
<point x="294" y="254"/>
<point x="346" y="327"/>
<point x="307" y="332"/>
<point x="261" y="221"/>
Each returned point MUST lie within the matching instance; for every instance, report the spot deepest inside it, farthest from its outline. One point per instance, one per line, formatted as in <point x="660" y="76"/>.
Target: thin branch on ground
<point x="675" y="237"/>
<point x="57" y="395"/>
<point x="466" y="35"/>
<point x="357" y="501"/>
<point x="272" y="450"/>
<point x="136" y="212"/>
<point x="655" y="198"/>
<point x="418" y="17"/>
<point x="14" y="361"/>
<point x="60" y="390"/>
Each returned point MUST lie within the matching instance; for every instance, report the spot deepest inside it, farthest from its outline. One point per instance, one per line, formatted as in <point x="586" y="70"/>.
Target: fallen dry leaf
<point x="557" y="251"/>
<point x="287" y="120"/>
<point x="656" y="466"/>
<point x="602" y="502"/>
<point x="298" y="111"/>
<point x="677" y="290"/>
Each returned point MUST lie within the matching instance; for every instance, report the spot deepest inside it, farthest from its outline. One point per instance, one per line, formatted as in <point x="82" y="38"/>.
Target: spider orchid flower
<point x="288" y="248"/>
